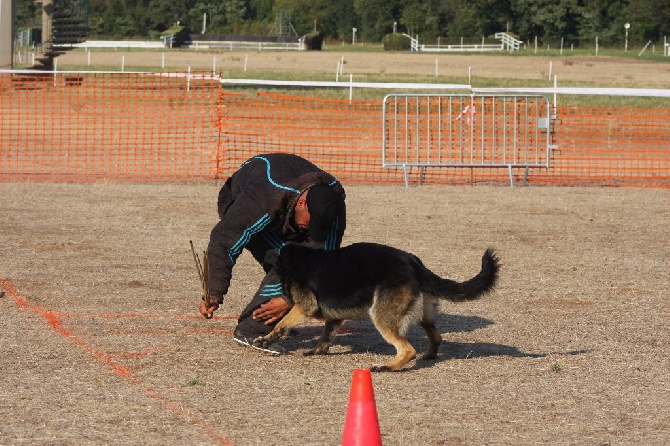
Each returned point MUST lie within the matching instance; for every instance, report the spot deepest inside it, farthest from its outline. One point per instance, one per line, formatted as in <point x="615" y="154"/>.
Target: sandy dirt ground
<point x="600" y="71"/>
<point x="101" y="343"/>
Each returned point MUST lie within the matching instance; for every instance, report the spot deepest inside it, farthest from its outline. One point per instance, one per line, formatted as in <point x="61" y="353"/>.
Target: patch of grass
<point x="379" y="93"/>
<point x="555" y="368"/>
<point x="193" y="383"/>
<point x="358" y="48"/>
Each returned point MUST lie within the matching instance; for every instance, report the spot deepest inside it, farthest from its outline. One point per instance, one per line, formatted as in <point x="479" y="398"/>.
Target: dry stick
<point x="205" y="275"/>
<point x="198" y="266"/>
<point x="202" y="272"/>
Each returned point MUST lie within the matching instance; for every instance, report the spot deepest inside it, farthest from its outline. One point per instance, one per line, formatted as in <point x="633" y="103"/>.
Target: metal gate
<point x="462" y="130"/>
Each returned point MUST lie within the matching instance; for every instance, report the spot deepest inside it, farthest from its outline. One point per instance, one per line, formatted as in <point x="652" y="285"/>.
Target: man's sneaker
<point x="273" y="349"/>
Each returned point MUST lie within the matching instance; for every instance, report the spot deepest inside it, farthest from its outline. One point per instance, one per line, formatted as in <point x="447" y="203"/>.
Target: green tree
<point x="495" y="15"/>
<point x="424" y="18"/>
<point x="376" y="17"/>
<point x="465" y="19"/>
<point x="108" y="24"/>
<point x="234" y="12"/>
<point x="261" y="10"/>
<point x="28" y="15"/>
<point x="223" y="17"/>
<point x="334" y="19"/>
<point x="604" y="19"/>
<point x="649" y="20"/>
<point x="549" y="20"/>
<point x="577" y="21"/>
<point x="166" y="13"/>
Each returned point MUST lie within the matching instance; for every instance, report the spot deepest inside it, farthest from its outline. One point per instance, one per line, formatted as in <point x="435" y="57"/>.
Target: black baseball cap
<point x="323" y="204"/>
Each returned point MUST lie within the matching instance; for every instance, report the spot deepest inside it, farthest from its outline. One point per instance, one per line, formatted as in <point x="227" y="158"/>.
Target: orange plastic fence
<point x="133" y="127"/>
<point x="106" y="127"/>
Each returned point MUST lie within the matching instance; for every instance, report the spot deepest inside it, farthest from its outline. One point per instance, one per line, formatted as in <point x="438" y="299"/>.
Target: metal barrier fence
<point x="457" y="130"/>
<point x="148" y="127"/>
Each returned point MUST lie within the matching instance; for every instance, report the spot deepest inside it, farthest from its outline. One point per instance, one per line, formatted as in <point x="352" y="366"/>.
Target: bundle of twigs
<point x="202" y="272"/>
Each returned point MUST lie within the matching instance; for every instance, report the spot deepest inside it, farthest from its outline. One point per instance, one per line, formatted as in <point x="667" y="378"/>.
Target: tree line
<point x="574" y="22"/>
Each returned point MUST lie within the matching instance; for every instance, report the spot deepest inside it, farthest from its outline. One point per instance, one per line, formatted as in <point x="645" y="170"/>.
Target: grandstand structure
<point x="64" y="25"/>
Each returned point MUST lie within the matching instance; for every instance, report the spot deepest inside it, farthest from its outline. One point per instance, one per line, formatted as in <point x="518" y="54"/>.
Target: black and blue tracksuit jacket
<point x="256" y="212"/>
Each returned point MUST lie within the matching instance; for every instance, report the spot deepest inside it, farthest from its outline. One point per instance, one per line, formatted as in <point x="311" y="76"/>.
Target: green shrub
<point x="396" y="42"/>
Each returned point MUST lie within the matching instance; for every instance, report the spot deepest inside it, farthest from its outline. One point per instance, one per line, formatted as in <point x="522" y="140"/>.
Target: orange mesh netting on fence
<point x="107" y="127"/>
<point x="144" y="127"/>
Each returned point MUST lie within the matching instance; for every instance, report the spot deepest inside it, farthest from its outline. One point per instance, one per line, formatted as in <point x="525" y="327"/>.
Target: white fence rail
<point x="198" y="45"/>
<point x="120" y="44"/>
<point x="255" y="46"/>
<point x="461" y="48"/>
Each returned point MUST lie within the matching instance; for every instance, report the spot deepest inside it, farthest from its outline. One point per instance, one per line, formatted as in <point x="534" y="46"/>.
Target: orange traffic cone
<point x="361" y="426"/>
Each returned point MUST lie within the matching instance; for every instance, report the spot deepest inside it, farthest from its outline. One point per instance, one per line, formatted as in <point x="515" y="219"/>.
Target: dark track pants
<point x="266" y="256"/>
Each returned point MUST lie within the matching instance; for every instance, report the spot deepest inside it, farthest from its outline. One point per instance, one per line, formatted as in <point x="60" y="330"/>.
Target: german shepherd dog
<point x="362" y="280"/>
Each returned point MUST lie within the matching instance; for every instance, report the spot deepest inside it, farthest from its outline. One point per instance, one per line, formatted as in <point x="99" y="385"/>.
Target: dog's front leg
<point x="293" y="318"/>
<point x="326" y="339"/>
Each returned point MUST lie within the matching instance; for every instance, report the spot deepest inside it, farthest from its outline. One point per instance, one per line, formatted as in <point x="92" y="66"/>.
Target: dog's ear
<point x="286" y="251"/>
<point x="284" y="260"/>
<point x="292" y="253"/>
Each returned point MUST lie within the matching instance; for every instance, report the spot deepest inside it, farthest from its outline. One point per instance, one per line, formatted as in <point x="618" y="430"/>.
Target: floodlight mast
<point x="626" y="27"/>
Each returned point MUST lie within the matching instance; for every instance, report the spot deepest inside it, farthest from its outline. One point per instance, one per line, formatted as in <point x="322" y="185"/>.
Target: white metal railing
<point x="413" y="42"/>
<point x="461" y="130"/>
<point x="509" y="41"/>
<point x="169" y="40"/>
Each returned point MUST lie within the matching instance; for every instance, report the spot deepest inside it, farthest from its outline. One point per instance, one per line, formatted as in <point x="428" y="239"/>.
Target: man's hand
<point x="206" y="310"/>
<point x="272" y="311"/>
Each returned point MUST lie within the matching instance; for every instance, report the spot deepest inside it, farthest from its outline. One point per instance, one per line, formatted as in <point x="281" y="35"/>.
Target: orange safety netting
<point x="144" y="127"/>
<point x="106" y="127"/>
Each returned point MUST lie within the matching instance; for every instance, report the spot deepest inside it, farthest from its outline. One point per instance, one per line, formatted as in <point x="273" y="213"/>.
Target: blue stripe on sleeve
<point x="331" y="238"/>
<point x="271" y="290"/>
<point x="272" y="240"/>
<point x="273" y="182"/>
<point x="238" y="246"/>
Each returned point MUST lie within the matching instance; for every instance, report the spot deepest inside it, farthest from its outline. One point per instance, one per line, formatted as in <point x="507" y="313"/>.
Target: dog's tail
<point x="471" y="289"/>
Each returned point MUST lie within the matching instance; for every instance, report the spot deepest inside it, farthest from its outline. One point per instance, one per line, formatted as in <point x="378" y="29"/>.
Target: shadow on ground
<point x="363" y="337"/>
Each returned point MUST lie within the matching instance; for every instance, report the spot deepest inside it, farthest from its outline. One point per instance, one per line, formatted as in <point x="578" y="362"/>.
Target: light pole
<point x="626" y="26"/>
<point x="353" y="36"/>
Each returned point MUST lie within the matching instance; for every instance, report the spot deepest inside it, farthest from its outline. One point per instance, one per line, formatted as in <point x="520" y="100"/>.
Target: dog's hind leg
<point x="292" y="319"/>
<point x="393" y="311"/>
<point x="327" y="337"/>
<point x="404" y="351"/>
<point x="427" y="322"/>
